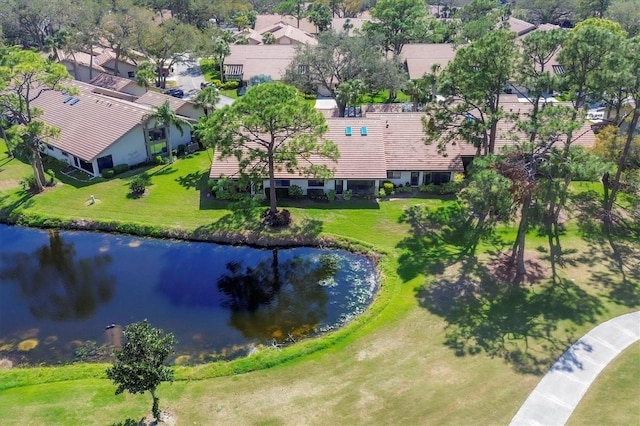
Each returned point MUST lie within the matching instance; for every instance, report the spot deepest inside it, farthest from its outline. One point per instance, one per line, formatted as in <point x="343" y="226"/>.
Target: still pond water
<point x="60" y="290"/>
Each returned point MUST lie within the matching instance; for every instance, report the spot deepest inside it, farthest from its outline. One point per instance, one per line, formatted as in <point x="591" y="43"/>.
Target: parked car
<point x="176" y="93"/>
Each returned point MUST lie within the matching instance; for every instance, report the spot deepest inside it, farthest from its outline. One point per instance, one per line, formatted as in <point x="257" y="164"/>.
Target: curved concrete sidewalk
<point x="564" y="385"/>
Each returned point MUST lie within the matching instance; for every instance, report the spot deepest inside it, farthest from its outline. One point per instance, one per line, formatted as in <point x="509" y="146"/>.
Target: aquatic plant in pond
<point x="63" y="288"/>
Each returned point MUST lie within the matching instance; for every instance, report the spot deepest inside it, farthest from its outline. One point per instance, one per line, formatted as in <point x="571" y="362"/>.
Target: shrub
<point x="449" y="188"/>
<point x="158" y="160"/>
<point x="431" y="188"/>
<point x="295" y="192"/>
<point x="230" y="85"/>
<point x="217" y="83"/>
<point x="387" y="187"/>
<point x="382" y="192"/>
<point x="347" y="194"/>
<point x="121" y="168"/>
<point x="331" y="195"/>
<point x="182" y="148"/>
<point x="139" y="184"/>
<point x="28" y="183"/>
<point x="280" y="219"/>
<point x="108" y="173"/>
<point x="52" y="177"/>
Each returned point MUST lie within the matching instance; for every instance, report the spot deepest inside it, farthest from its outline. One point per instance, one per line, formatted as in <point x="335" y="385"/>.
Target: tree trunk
<point x="38" y="170"/>
<point x="155" y="409"/>
<point x="517" y="254"/>
<point x="168" y="126"/>
<point x="272" y="184"/>
<point x="615" y="185"/>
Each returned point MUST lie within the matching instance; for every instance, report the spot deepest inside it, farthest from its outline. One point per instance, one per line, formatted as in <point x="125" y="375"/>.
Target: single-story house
<point x="246" y="61"/>
<point x="283" y="33"/>
<point x="99" y="131"/>
<point x="389" y="146"/>
<point x="419" y="58"/>
<point x="269" y="21"/>
<point x="86" y="65"/>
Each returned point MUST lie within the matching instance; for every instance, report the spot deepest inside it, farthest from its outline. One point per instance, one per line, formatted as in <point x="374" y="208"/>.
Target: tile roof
<point x="111" y="82"/>
<point x="282" y="29"/>
<point x="519" y="26"/>
<point x="157" y="99"/>
<point x="266" y="21"/>
<point x="92" y="124"/>
<point x="405" y="148"/>
<point x="272" y="59"/>
<point x="361" y="157"/>
<point x="421" y="57"/>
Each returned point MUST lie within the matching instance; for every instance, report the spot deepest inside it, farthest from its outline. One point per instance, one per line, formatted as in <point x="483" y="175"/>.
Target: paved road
<point x="188" y="77"/>
<point x="564" y="385"/>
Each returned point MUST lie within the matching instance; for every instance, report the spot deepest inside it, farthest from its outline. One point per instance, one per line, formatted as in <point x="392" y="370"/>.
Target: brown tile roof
<point x="157" y="99"/>
<point x="90" y="125"/>
<point x="267" y="21"/>
<point x="421" y="57"/>
<point x="361" y="157"/>
<point x="111" y="82"/>
<point x="271" y="59"/>
<point x="519" y="26"/>
<point x="83" y="59"/>
<point x="281" y="30"/>
<point x="405" y="148"/>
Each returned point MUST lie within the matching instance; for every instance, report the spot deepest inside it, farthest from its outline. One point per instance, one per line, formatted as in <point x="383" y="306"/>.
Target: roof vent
<point x="347" y="131"/>
<point x="363" y="131"/>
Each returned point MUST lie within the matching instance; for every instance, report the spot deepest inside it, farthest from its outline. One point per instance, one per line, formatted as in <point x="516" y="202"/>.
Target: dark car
<point x="176" y="93"/>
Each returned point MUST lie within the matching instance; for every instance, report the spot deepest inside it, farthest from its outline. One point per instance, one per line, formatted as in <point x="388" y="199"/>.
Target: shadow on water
<point x="56" y="283"/>
<point x="277" y="300"/>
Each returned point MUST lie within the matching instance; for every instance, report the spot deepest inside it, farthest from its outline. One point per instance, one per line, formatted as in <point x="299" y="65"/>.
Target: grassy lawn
<point x="421" y="354"/>
<point x="614" y="395"/>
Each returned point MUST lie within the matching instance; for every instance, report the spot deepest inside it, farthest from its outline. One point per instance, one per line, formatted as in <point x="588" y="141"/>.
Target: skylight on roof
<point x="67" y="99"/>
<point x="75" y="101"/>
<point x="363" y="131"/>
<point x="347" y="130"/>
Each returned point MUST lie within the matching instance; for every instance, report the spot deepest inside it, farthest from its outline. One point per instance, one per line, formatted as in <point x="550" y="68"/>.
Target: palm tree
<point x="145" y="75"/>
<point x="163" y="115"/>
<point x="207" y="99"/>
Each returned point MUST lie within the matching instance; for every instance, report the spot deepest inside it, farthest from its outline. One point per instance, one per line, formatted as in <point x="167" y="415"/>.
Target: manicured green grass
<point x="400" y="362"/>
<point x="614" y="397"/>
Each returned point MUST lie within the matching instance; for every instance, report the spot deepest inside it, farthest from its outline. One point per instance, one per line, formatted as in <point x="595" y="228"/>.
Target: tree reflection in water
<point x="56" y="285"/>
<point x="274" y="300"/>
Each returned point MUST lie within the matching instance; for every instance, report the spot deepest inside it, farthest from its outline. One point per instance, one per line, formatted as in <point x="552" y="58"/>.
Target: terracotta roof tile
<point x="271" y="59"/>
<point x="90" y="125"/>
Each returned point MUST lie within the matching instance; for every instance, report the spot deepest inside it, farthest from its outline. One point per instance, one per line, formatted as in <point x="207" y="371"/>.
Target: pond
<point x="65" y="295"/>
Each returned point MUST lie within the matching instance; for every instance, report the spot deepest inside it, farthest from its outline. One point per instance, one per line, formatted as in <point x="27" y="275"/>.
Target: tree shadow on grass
<point x="127" y="422"/>
<point x="7" y="209"/>
<point x="519" y="325"/>
<point x="439" y="238"/>
<point x="244" y="225"/>
<point x="613" y="252"/>
<point x="195" y="180"/>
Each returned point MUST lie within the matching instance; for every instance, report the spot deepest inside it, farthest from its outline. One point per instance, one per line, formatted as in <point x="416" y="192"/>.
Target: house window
<point x="65" y="154"/>
<point x="394" y="174"/>
<point x="157" y="134"/>
<point x="315" y="182"/>
<point x="49" y="147"/>
<point x="158" y="148"/>
<point x="282" y="183"/>
<point x="436" y="178"/>
<point x="131" y="74"/>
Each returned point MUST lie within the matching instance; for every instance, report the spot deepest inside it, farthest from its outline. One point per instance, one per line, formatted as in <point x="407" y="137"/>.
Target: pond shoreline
<point x="250" y="239"/>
